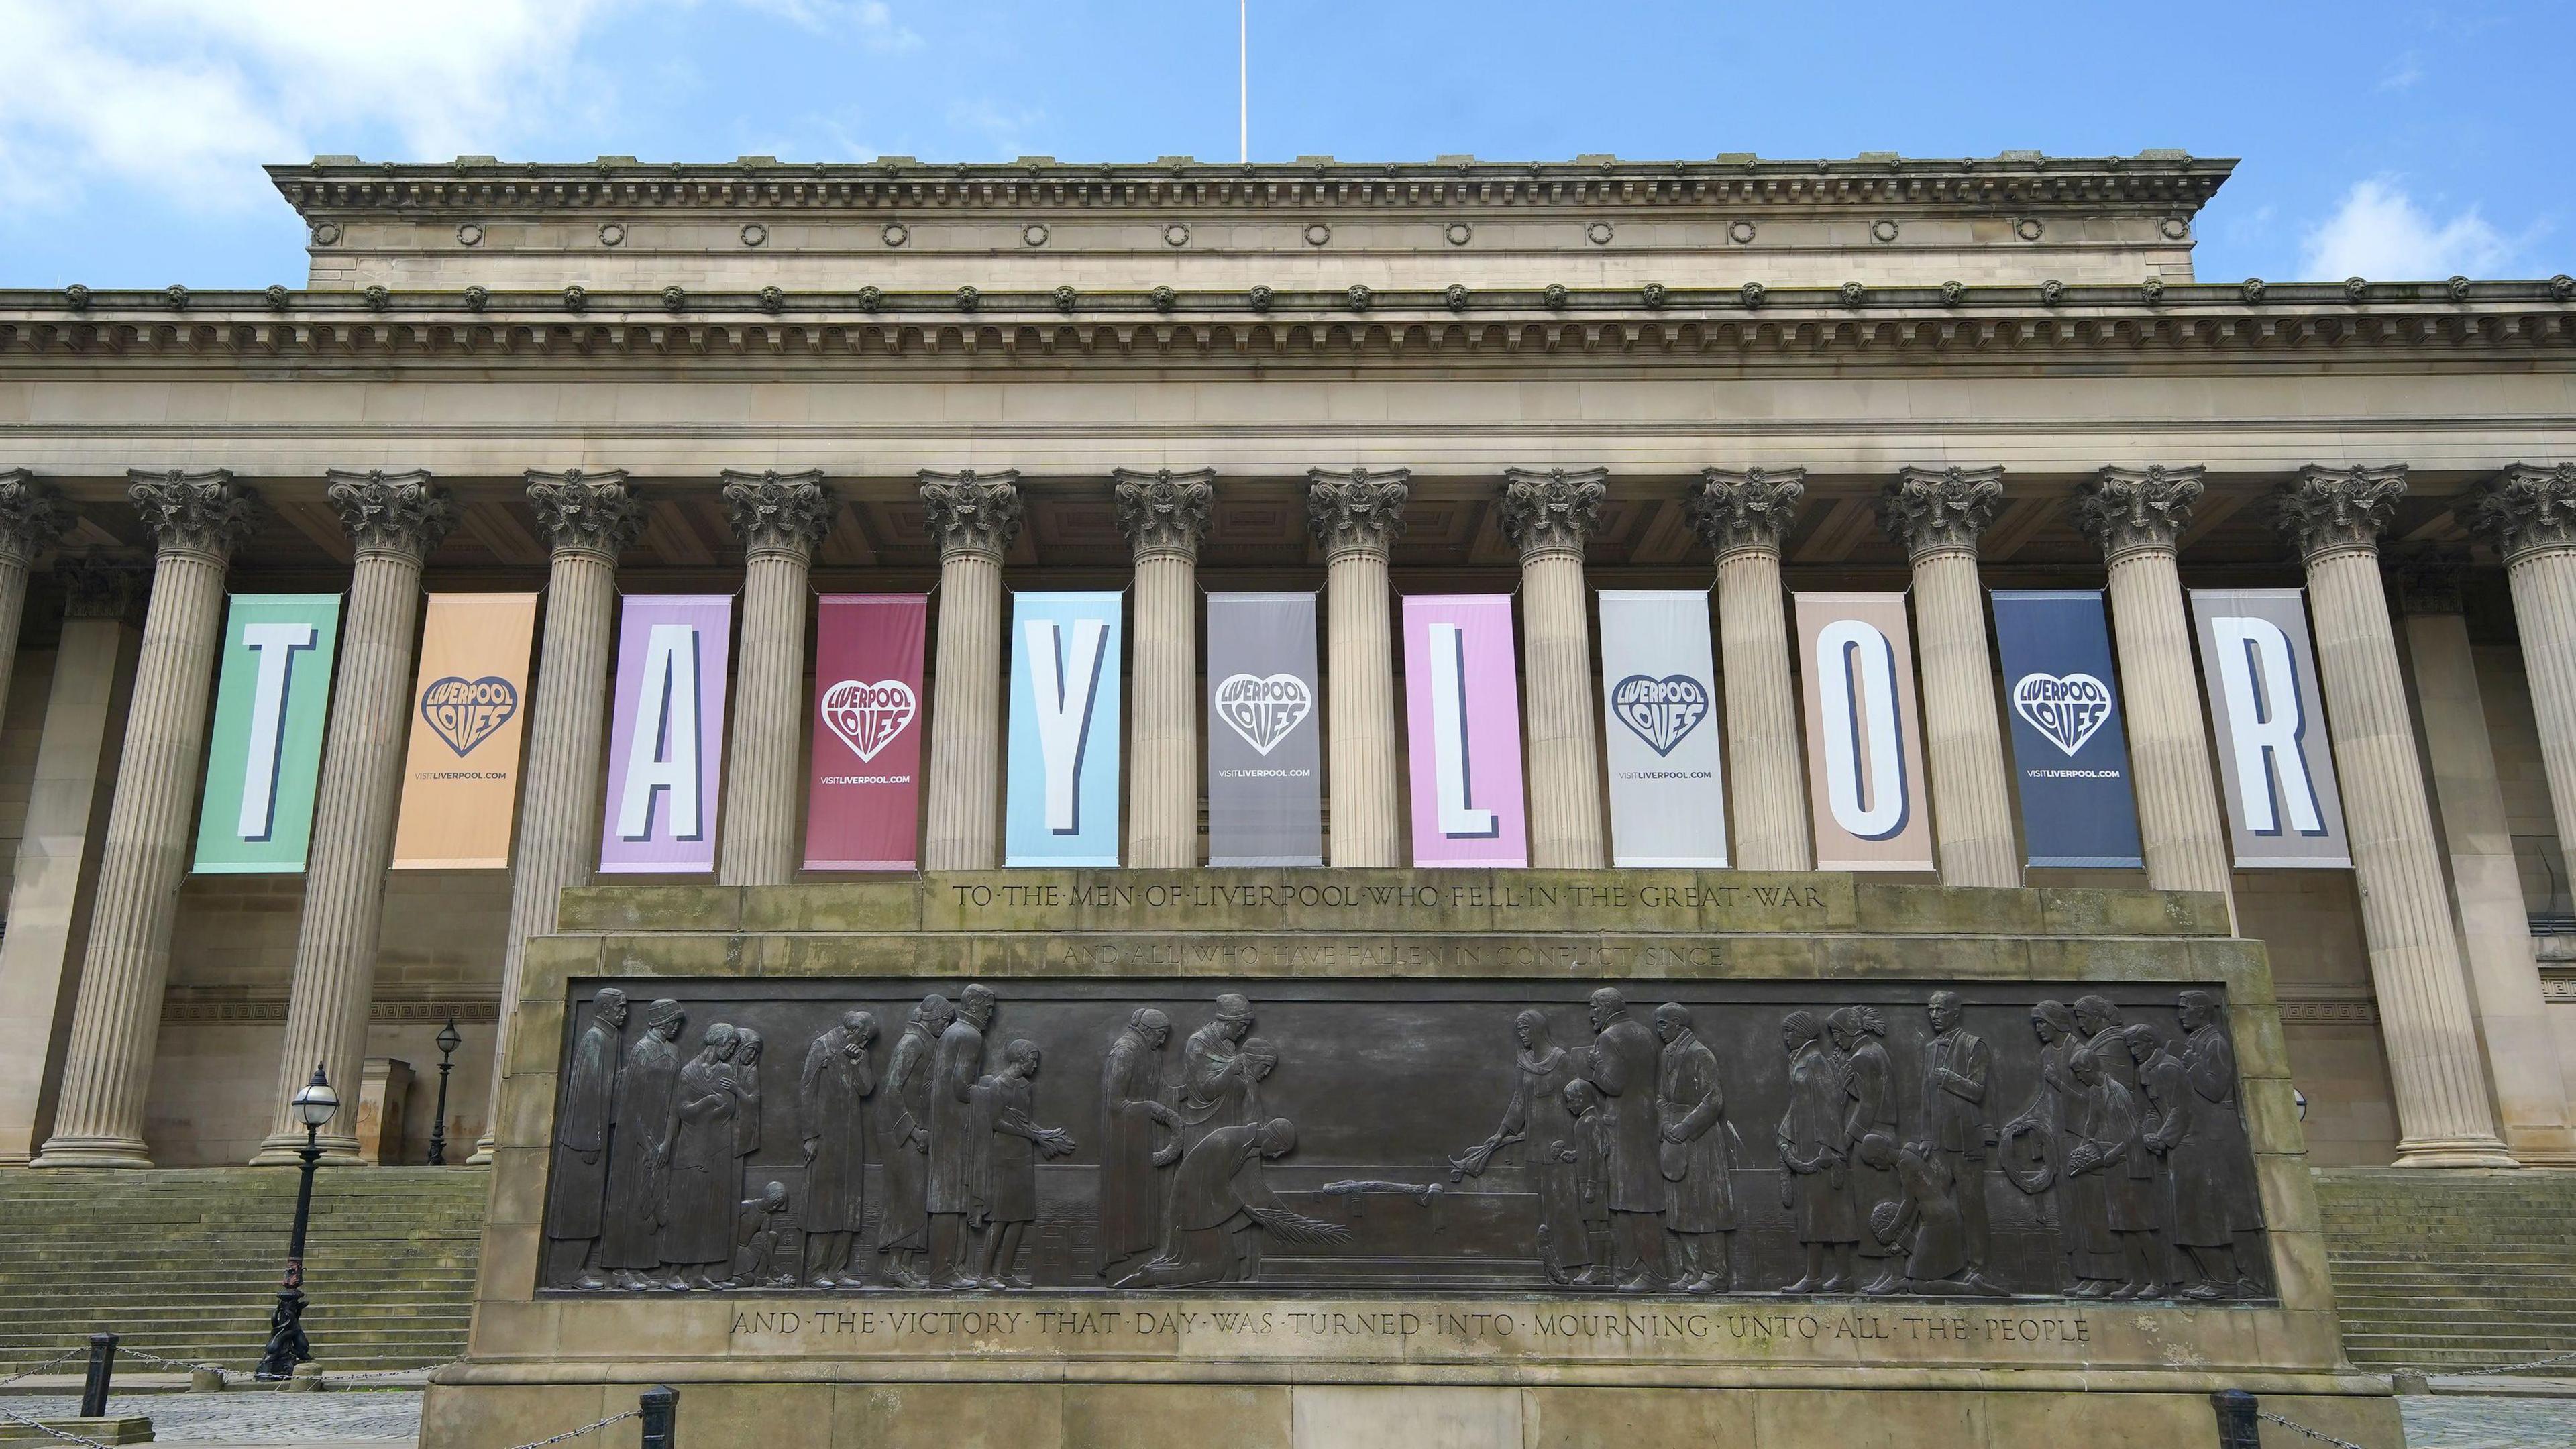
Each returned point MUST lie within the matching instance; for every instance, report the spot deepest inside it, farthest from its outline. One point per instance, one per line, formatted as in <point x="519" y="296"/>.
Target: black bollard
<point x="2237" y="1426"/>
<point x="661" y="1412"/>
<point x="102" y="1368"/>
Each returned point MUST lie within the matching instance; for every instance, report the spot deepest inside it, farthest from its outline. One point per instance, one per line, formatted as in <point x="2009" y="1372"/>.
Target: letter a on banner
<point x="2068" y="744"/>
<point x="666" y="739"/>
<point x="1265" y="778"/>
<point x="265" y="751"/>
<point x="863" y="809"/>
<point x="461" y="772"/>
<point x="1659" y="690"/>
<point x="1463" y="725"/>
<point x="2283" y="809"/>
<point x="1864" y="747"/>
<point x="1063" y="803"/>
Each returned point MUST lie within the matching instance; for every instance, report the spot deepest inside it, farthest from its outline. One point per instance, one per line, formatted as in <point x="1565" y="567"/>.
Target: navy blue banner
<point x="2068" y="747"/>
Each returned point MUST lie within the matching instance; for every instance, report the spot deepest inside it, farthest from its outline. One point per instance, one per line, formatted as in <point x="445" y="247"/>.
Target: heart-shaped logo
<point x="867" y="716"/>
<point x="465" y="712"/>
<point x="1663" y="711"/>
<point x="1264" y="709"/>
<point x="2067" y="708"/>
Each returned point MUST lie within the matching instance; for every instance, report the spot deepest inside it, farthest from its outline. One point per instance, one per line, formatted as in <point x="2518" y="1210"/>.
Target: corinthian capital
<point x="32" y="516"/>
<point x="972" y="512"/>
<point x="199" y="511"/>
<point x="95" y="588"/>
<point x="2525" y="510"/>
<point x="1164" y="511"/>
<point x="774" y="512"/>
<point x="1554" y="511"/>
<point x="1754" y="509"/>
<point x="586" y="512"/>
<point x="1930" y="510"/>
<point x="390" y="513"/>
<point x="2327" y="510"/>
<point x="2124" y="509"/>
<point x="1357" y="509"/>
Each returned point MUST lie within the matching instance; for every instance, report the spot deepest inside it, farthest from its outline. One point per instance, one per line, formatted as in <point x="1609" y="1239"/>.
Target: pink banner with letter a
<point x="1462" y="706"/>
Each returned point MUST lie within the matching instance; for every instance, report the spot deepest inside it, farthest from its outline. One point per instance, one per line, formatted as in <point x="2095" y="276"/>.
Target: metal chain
<point x="2501" y="1368"/>
<point x="227" y="1375"/>
<point x="41" y="1427"/>
<point x="28" y="1373"/>
<point x="2267" y="1414"/>
<point x="592" y="1427"/>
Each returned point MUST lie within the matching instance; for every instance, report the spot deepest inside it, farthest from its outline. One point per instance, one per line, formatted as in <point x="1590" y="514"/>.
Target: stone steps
<point x="2451" y="1270"/>
<point x="185" y="1263"/>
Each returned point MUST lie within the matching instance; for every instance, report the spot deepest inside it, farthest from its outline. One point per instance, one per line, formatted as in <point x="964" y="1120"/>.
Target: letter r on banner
<point x="2260" y="676"/>
<point x="2264" y="709"/>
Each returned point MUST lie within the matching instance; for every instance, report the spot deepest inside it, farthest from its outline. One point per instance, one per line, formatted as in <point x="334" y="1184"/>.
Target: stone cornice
<point x="1356" y="509"/>
<point x="1754" y="509"/>
<point x="343" y="186"/>
<point x="33" y="517"/>
<point x="586" y="512"/>
<point x="1935" y="510"/>
<point x="1552" y="511"/>
<point x="2128" y="509"/>
<point x="2526" y="510"/>
<point x="399" y="514"/>
<point x="196" y="511"/>
<point x="972" y="512"/>
<point x="1164" y="511"/>
<point x="774" y="512"/>
<point x="2326" y="511"/>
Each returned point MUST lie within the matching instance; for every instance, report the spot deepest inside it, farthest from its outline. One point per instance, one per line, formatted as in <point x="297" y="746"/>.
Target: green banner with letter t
<point x="256" y="816"/>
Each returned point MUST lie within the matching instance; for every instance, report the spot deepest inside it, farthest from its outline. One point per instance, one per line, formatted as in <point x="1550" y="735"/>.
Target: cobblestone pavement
<point x="266" y="1417"/>
<point x="2460" y="1421"/>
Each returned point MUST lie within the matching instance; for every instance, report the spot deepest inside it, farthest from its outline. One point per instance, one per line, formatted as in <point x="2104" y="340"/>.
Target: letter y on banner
<point x="1063" y="801"/>
<point x="1864" y="745"/>
<point x="2283" y="809"/>
<point x="1463" y="720"/>
<point x="667" y="737"/>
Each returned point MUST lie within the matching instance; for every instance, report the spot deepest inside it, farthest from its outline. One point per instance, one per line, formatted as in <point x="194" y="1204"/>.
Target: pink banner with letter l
<point x="1462" y="707"/>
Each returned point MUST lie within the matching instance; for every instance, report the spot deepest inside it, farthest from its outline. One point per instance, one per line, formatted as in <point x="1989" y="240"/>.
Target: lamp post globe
<point x="315" y="1104"/>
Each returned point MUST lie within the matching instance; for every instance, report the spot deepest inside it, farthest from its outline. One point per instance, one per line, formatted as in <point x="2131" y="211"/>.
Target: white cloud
<point x="2379" y="232"/>
<point x="2405" y="74"/>
<point x="871" y="22"/>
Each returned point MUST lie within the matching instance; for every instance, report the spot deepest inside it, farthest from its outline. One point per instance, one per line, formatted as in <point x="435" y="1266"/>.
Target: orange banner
<point x="461" y="776"/>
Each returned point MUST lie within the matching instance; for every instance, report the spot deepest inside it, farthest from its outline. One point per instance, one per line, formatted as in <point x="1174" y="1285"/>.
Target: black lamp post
<point x="448" y="1042"/>
<point x="287" y="1345"/>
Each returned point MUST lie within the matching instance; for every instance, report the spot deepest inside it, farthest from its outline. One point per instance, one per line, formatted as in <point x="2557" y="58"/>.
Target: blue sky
<point x="2386" y="140"/>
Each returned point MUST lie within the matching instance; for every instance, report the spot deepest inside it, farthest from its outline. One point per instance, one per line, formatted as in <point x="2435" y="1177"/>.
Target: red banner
<point x="864" y="809"/>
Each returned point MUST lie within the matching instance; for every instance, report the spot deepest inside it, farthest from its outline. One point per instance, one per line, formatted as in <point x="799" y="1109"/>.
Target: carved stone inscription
<point x="1651" y="1139"/>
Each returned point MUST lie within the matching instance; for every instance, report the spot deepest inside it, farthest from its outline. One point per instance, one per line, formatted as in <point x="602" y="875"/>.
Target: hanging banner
<point x="1659" y="704"/>
<point x="461" y="772"/>
<point x="1462" y="709"/>
<point x="2068" y="743"/>
<point x="863" y="806"/>
<point x="1864" y="747"/>
<point x="265" y="750"/>
<point x="1063" y="802"/>
<point x="1264" y="754"/>
<point x="666" y="737"/>
<point x="2267" y="711"/>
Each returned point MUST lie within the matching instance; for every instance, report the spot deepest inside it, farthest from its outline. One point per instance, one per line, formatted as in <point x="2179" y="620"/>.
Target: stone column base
<point x="94" y="1152"/>
<point x="2455" y="1152"/>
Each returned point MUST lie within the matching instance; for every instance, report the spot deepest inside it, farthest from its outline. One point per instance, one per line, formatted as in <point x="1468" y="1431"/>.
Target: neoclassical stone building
<point x="1455" y="376"/>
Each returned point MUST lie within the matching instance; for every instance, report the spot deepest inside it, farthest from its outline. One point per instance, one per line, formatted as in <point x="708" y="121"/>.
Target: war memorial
<point x="1592" y="803"/>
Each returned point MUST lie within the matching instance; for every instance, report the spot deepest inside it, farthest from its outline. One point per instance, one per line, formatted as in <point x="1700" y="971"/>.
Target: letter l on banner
<point x="666" y="740"/>
<point x="1463" y="722"/>
<point x="1065" y="669"/>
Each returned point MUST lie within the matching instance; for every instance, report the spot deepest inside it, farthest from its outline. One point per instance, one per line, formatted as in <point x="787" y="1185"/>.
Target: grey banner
<point x="2268" y="710"/>
<point x="1265" y="717"/>
<point x="1659" y="699"/>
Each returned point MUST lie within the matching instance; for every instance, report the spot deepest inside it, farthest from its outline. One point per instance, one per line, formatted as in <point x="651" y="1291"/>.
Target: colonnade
<point x="2442" y="1027"/>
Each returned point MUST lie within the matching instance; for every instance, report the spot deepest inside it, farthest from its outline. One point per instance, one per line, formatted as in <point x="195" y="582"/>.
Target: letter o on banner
<point x="1864" y="744"/>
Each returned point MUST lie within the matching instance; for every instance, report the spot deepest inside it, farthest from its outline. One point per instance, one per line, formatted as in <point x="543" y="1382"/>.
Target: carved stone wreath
<point x="754" y="234"/>
<point x="1883" y="230"/>
<point x="1458" y="233"/>
<point x="612" y="233"/>
<point x="1317" y="234"/>
<point x="894" y="233"/>
<point x="1176" y="235"/>
<point x="469" y="235"/>
<point x="2029" y="229"/>
<point x="1599" y="233"/>
<point x="1740" y="232"/>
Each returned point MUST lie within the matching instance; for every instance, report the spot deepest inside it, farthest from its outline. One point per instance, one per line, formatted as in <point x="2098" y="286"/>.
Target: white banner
<point x="1659" y="703"/>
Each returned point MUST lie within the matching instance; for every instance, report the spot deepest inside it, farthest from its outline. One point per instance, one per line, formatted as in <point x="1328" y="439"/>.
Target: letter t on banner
<point x="666" y="740"/>
<point x="1463" y="724"/>
<point x="1063" y="801"/>
<point x="265" y="751"/>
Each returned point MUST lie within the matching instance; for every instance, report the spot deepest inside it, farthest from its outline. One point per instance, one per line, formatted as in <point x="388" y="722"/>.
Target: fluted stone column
<point x="1357" y="516"/>
<point x="1744" y="516"/>
<point x="32" y="517"/>
<point x="196" y="519"/>
<point x="780" y="518"/>
<point x="2136" y="518"/>
<point x="1164" y="515"/>
<point x="588" y="519"/>
<point x="1937" y="514"/>
<point x="2529" y="514"/>
<point x="394" y="521"/>
<point x="2333" y="516"/>
<point x="1548" y="515"/>
<point x="2486" y="881"/>
<point x="975" y="516"/>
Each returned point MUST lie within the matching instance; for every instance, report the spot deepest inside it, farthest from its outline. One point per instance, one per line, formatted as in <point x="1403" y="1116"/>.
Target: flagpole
<point x="1243" y="73"/>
